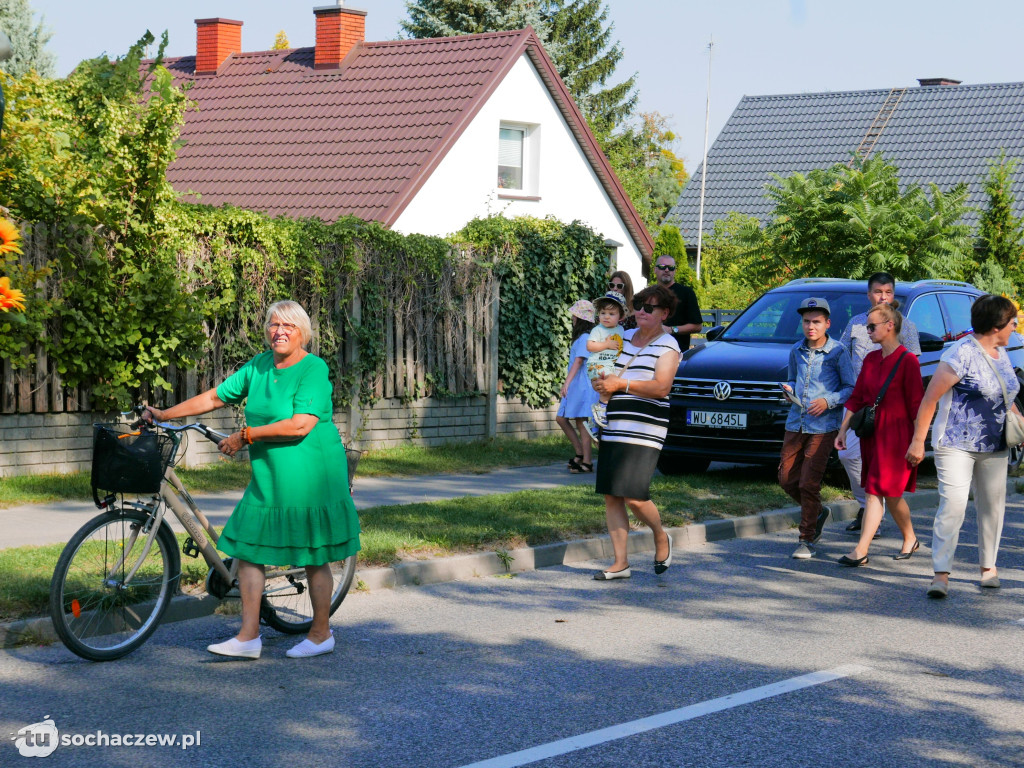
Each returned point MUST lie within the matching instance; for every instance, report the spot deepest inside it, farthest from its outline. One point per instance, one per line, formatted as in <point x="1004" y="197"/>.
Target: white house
<point x="420" y="135"/>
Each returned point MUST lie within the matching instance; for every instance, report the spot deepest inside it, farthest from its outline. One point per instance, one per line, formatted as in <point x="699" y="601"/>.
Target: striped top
<point x="639" y="420"/>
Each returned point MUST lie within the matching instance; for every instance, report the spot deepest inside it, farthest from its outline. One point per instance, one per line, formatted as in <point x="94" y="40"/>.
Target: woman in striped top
<point x="637" y="423"/>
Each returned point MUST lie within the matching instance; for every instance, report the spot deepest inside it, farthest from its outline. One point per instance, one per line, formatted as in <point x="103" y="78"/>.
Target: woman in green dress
<point x="297" y="509"/>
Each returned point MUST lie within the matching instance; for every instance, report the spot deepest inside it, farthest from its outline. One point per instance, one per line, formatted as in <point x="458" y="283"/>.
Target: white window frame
<point x="530" y="161"/>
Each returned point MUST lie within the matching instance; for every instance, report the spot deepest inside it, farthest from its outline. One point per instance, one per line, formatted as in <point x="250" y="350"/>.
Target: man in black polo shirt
<point x="686" y="319"/>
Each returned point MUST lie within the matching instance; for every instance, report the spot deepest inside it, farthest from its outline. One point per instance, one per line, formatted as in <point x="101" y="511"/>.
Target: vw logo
<point x="722" y="390"/>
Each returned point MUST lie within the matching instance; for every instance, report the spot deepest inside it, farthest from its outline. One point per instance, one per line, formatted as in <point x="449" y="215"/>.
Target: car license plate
<point x="716" y="419"/>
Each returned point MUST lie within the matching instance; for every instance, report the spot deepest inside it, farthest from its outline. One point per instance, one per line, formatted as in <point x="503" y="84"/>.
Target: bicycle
<point x="115" y="578"/>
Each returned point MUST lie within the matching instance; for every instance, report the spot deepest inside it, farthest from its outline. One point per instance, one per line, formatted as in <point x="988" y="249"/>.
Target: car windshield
<point x="774" y="318"/>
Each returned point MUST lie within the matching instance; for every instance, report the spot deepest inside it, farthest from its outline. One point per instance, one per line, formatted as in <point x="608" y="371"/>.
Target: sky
<point x="760" y="46"/>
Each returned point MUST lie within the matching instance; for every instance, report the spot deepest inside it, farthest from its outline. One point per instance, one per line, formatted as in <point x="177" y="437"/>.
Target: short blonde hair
<point x="291" y="312"/>
<point x="889" y="312"/>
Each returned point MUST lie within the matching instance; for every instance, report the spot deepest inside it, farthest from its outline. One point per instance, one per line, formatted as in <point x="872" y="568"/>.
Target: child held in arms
<point x="604" y="346"/>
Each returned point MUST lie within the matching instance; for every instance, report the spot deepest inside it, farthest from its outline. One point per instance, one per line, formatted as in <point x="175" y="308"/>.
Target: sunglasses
<point x="871" y="326"/>
<point x="665" y="266"/>
<point x="616" y="286"/>
<point x="648" y="308"/>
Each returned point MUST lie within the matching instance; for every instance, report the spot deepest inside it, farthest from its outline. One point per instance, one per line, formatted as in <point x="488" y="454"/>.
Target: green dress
<point x="297" y="509"/>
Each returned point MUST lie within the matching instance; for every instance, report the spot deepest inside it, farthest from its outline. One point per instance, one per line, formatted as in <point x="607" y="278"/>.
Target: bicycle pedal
<point x="190" y="548"/>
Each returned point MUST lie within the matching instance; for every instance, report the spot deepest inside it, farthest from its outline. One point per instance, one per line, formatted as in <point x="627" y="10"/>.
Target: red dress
<point x="885" y="471"/>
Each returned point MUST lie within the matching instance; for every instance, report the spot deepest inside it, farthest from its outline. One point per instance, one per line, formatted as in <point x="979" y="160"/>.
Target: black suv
<point x="726" y="401"/>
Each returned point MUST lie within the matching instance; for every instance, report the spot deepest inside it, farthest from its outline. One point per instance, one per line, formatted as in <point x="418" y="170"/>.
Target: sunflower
<point x="9" y="237"/>
<point x="10" y="298"/>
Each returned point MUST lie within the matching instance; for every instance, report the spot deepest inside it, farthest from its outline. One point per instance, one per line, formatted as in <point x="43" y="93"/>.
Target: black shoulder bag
<point x="863" y="421"/>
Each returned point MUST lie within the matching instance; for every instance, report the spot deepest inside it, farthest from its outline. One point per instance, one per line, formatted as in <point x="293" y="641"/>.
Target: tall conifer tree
<point x="28" y="39"/>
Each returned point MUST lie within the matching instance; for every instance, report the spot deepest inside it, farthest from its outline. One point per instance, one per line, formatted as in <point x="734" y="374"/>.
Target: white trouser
<point x="850" y="459"/>
<point x="955" y="469"/>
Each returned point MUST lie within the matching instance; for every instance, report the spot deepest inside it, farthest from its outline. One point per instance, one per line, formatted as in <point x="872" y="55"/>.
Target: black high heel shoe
<point x="906" y="555"/>
<point x="850" y="562"/>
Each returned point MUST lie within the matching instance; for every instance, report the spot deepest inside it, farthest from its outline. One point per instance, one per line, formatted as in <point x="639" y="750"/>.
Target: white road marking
<point x="621" y="731"/>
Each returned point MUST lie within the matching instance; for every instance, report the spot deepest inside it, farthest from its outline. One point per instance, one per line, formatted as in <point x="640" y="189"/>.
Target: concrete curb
<point x="478" y="564"/>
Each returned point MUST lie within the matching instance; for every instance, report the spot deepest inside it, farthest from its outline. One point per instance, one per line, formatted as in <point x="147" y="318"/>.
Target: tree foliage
<point x="281" y="42"/>
<point x="640" y="153"/>
<point x="725" y="267"/>
<point x="448" y="18"/>
<point x="1000" y="235"/>
<point x="85" y="159"/>
<point x="586" y="56"/>
<point x="850" y="222"/>
<point x="28" y="40"/>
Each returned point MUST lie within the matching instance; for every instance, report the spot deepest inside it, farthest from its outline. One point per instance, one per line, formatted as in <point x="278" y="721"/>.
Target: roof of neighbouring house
<point x="944" y="134"/>
<point x="274" y="134"/>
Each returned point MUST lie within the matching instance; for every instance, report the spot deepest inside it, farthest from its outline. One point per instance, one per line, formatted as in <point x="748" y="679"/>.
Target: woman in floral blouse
<point x="969" y="437"/>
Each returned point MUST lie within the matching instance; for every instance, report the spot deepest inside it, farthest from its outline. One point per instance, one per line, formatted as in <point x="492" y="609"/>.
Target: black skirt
<point x="626" y="470"/>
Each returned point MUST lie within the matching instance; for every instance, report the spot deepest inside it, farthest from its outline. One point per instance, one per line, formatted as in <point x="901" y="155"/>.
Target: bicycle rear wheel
<point x="286" y="605"/>
<point x="97" y="610"/>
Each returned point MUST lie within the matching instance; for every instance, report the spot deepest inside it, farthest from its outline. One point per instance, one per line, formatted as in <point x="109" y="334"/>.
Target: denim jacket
<point x="813" y="373"/>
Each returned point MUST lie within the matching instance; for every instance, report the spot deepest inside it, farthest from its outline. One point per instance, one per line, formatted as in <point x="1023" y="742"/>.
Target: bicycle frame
<point x="184" y="507"/>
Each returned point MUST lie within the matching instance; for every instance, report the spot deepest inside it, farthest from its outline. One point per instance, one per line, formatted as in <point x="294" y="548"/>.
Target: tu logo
<point x="38" y="739"/>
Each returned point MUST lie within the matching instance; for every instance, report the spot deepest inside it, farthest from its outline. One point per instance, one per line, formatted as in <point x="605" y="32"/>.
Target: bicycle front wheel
<point x="108" y="593"/>
<point x="286" y="605"/>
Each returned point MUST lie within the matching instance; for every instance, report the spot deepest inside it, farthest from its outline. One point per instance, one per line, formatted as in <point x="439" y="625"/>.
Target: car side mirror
<point x="930" y="342"/>
<point x="714" y="333"/>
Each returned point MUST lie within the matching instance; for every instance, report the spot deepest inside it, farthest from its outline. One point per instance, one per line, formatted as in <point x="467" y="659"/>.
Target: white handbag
<point x="1014" y="423"/>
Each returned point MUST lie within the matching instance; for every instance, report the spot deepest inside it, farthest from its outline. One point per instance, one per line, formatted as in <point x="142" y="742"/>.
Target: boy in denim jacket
<point x="821" y="378"/>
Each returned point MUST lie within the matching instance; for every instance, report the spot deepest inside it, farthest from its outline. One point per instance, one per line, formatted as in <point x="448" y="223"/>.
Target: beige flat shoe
<point x="991" y="582"/>
<point x="938" y="589"/>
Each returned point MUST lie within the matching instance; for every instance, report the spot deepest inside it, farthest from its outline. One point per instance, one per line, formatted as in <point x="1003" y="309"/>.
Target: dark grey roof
<point x="940" y="134"/>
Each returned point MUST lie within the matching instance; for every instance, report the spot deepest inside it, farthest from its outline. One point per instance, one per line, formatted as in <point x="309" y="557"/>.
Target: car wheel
<point x="670" y="464"/>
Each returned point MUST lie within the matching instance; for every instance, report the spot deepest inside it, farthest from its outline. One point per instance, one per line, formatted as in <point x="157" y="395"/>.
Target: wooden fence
<point x="438" y="340"/>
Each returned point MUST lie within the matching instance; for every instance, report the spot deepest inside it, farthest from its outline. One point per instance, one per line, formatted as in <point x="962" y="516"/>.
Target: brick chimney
<point x="338" y="29"/>
<point x="216" y="39"/>
<point x="923" y="81"/>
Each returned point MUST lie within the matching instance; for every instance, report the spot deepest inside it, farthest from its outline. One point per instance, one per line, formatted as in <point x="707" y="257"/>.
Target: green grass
<point x="478" y="456"/>
<point x="487" y="523"/>
<point x="42" y="489"/>
<point x="530" y="518"/>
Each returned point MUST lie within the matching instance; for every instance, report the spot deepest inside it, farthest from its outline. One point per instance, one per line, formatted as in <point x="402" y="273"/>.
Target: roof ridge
<point x="909" y="88"/>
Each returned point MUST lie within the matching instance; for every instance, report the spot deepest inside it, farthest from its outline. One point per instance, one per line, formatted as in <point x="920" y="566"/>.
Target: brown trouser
<point x="801" y="467"/>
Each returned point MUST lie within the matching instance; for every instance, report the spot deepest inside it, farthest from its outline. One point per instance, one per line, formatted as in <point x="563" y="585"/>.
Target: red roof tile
<point x="276" y="135"/>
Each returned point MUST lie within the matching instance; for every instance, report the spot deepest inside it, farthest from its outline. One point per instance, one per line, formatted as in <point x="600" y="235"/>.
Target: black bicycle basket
<point x="129" y="461"/>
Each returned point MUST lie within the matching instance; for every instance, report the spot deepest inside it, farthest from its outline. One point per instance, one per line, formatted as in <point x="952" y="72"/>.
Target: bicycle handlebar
<point x="210" y="434"/>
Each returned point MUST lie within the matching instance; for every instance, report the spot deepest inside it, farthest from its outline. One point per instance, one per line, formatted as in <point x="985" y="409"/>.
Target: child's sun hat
<point x="583" y="309"/>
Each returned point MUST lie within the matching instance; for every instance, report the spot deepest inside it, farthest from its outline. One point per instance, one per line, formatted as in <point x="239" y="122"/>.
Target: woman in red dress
<point x="886" y="474"/>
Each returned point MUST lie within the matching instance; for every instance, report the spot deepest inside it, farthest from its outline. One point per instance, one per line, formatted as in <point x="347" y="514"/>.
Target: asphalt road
<point x="459" y="673"/>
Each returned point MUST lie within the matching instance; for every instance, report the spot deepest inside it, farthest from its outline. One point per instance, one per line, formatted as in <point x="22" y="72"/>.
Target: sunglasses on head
<point x="665" y="266"/>
<point x="871" y="326"/>
<point x="616" y="286"/>
<point x="648" y="308"/>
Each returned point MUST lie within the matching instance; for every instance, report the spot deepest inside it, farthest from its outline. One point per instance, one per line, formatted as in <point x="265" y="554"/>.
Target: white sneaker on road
<point x="805" y="551"/>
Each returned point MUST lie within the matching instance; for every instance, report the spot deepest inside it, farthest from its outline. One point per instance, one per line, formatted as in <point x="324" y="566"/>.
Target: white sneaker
<point x="804" y="551"/>
<point x="593" y="429"/>
<point x="308" y="648"/>
<point x="600" y="413"/>
<point x="248" y="649"/>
